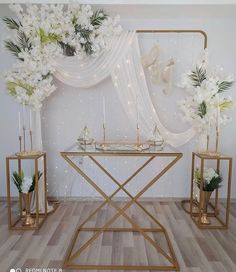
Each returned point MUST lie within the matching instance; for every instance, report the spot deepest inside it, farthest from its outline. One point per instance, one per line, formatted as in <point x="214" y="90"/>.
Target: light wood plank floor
<point x="197" y="250"/>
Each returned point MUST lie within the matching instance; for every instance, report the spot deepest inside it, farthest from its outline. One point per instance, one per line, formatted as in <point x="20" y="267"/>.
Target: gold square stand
<point x="195" y="210"/>
<point x="39" y="217"/>
<point x="74" y="251"/>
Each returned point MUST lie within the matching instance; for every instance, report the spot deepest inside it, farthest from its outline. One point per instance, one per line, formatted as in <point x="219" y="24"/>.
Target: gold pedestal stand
<point x="15" y="220"/>
<point x="214" y="219"/>
<point x="74" y="251"/>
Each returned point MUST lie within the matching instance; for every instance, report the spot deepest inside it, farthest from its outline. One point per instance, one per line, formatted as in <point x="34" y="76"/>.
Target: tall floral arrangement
<point x="206" y="102"/>
<point x="43" y="32"/>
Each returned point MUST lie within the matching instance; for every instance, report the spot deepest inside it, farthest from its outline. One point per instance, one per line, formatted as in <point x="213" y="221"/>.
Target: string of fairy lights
<point x="64" y="181"/>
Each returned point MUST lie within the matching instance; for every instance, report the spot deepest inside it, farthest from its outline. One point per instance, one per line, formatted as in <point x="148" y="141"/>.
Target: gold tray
<point x="121" y="146"/>
<point x="28" y="153"/>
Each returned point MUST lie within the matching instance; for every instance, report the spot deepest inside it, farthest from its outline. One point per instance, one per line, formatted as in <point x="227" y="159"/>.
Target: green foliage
<point x="202" y="109"/>
<point x="67" y="49"/>
<point x="33" y="183"/>
<point x="214" y="183"/>
<point x="48" y="38"/>
<point x="18" y="179"/>
<point x="224" y="86"/>
<point x="13" y="48"/>
<point x="226" y="104"/>
<point x="11" y="87"/>
<point x="198" y="76"/>
<point x="98" y="17"/>
<point x="11" y="23"/>
<point x="23" y="42"/>
<point x="85" y="34"/>
<point x="96" y="20"/>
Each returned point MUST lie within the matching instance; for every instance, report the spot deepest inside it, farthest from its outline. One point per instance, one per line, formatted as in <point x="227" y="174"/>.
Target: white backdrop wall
<point x="68" y="109"/>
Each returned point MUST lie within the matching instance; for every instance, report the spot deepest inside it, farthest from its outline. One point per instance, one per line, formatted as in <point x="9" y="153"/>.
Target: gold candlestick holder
<point x="208" y="140"/>
<point x="215" y="152"/>
<point x="104" y="146"/>
<point x="31" y="139"/>
<point x="217" y="140"/>
<point x="24" y="129"/>
<point x="138" y="136"/>
<point x="24" y="152"/>
<point x="104" y="133"/>
<point x="20" y="142"/>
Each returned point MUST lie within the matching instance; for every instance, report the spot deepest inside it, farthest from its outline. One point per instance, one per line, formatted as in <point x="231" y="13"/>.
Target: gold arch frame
<point x="199" y="31"/>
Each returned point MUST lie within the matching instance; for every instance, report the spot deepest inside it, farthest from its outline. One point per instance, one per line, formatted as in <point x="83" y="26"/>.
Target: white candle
<point x="23" y="115"/>
<point x="30" y="122"/>
<point x="19" y="122"/>
<point x="104" y="110"/>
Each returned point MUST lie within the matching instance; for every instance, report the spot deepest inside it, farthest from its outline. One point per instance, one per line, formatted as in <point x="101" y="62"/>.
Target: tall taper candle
<point x="208" y="133"/>
<point x="104" y="110"/>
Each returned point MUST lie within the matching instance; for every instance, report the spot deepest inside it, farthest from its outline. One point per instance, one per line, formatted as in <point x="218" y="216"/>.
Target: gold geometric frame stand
<point x="71" y="256"/>
<point x="39" y="217"/>
<point x="194" y="204"/>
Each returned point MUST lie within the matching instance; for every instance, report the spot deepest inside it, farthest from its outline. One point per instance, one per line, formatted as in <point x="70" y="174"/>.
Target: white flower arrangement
<point x="205" y="100"/>
<point x="26" y="184"/>
<point x="43" y="32"/>
<point x="211" y="179"/>
<point x="23" y="183"/>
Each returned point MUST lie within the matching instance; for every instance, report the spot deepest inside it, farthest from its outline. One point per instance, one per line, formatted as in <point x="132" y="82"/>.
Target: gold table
<point x="91" y="153"/>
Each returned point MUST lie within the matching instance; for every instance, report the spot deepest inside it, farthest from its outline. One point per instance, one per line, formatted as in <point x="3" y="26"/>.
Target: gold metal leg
<point x="121" y="212"/>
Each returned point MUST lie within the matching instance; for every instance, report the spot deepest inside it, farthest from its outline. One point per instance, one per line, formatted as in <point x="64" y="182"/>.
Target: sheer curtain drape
<point x="122" y="63"/>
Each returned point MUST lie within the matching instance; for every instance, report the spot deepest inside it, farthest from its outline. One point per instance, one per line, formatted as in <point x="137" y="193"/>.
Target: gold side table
<point x="218" y="219"/>
<point x="77" y="246"/>
<point x="15" y="223"/>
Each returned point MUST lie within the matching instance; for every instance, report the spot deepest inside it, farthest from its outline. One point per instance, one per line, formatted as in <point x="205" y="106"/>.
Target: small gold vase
<point x="205" y="198"/>
<point x="28" y="220"/>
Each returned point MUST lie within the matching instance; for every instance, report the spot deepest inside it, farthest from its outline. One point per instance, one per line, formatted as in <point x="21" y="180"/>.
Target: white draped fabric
<point x="87" y="72"/>
<point x="123" y="64"/>
<point x="39" y="146"/>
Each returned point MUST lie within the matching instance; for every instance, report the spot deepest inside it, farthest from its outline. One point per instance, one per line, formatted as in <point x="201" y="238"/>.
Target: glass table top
<point x="119" y="148"/>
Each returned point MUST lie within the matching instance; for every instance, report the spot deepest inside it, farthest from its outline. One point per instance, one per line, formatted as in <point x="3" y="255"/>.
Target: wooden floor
<point x="196" y="250"/>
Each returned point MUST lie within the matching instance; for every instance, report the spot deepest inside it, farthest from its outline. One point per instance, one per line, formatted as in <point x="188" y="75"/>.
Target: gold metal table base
<point x="72" y="255"/>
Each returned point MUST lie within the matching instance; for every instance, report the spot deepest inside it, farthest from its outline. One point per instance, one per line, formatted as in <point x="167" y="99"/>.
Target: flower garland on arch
<point x="206" y="104"/>
<point x="43" y="32"/>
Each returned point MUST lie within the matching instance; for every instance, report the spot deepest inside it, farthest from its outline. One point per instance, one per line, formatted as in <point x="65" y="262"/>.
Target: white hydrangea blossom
<point x="47" y="26"/>
<point x="209" y="174"/>
<point x="26" y="184"/>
